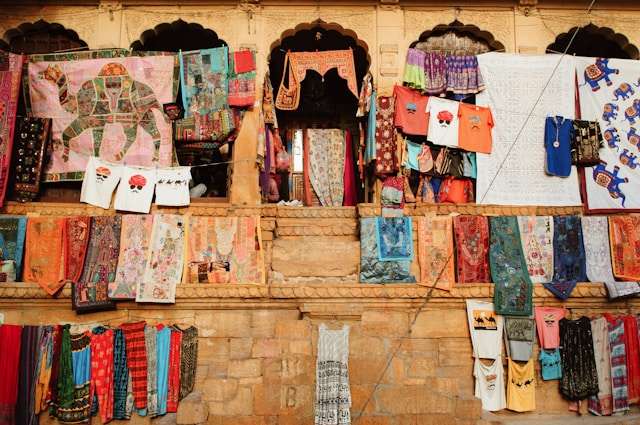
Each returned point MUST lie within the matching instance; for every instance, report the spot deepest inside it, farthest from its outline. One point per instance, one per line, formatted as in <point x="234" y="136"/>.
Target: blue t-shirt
<point x="558" y="132"/>
<point x="551" y="368"/>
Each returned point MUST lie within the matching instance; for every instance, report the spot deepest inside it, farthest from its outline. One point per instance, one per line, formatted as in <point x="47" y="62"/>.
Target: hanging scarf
<point x="25" y="413"/>
<point x="472" y="248"/>
<point x="364" y="100"/>
<point x="268" y="106"/>
<point x="568" y="256"/>
<point x="43" y="368"/>
<point x="625" y="238"/>
<point x="12" y="234"/>
<point x="619" y="386"/>
<point x="52" y="391"/>
<point x="44" y="253"/>
<point x="91" y="292"/>
<point x="349" y="176"/>
<point x="537" y="244"/>
<point x="136" y="361"/>
<point x="133" y="257"/>
<point x="601" y="404"/>
<point x="120" y="375"/>
<point x="166" y="260"/>
<point x="79" y="408"/>
<point x="76" y="241"/>
<point x="150" y="335"/>
<point x="10" y="340"/>
<point x="326" y="160"/>
<point x="370" y="146"/>
<point x="163" y="347"/>
<point x="102" y="371"/>
<point x="64" y="378"/>
<point x="513" y="288"/>
<point x="30" y="142"/>
<point x="386" y="157"/>
<point x="175" y="350"/>
<point x="595" y="233"/>
<point x="10" y="72"/>
<point x="188" y="360"/>
<point x="435" y="251"/>
<point x="633" y="357"/>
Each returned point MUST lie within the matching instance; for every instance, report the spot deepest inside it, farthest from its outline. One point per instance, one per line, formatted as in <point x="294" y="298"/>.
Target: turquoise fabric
<point x="371" y="269"/>
<point x="12" y="233"/>
<point x="413" y="149"/>
<point x="163" y="341"/>
<point x="370" y="147"/>
<point x="203" y="80"/>
<point x="550" y="364"/>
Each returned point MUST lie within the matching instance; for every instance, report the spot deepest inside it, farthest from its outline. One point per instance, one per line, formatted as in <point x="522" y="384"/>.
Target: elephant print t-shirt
<point x="443" y="121"/>
<point x="136" y="189"/>
<point x="475" y="127"/>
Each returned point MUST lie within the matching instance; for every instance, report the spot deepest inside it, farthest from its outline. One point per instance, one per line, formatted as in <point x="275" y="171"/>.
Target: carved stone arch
<point x="470" y="34"/>
<point x="324" y="101"/>
<point x="41" y="37"/>
<point x="178" y="35"/>
<point x="595" y="41"/>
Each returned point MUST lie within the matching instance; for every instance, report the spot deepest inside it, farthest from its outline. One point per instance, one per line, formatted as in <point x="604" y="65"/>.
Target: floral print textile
<point x="435" y="251"/>
<point x="326" y="161"/>
<point x="472" y="248"/>
<point x="569" y="261"/>
<point x="536" y="234"/>
<point x="386" y="158"/>
<point x="134" y="255"/>
<point x="625" y="240"/>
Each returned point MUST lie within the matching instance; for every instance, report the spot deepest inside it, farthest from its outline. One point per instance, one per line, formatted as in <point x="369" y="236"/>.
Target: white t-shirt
<point x="100" y="180"/>
<point x="136" y="189"/>
<point x="486" y="329"/>
<point x="172" y="186"/>
<point x="490" y="385"/>
<point x="443" y="121"/>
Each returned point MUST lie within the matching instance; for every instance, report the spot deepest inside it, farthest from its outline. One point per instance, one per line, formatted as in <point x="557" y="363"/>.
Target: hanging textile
<point x="76" y="241"/>
<point x="519" y="333"/>
<point x="56" y="363"/>
<point x="385" y="137"/>
<point x="85" y="91"/>
<point x="550" y="365"/>
<point x="30" y="142"/>
<point x="75" y="406"/>
<point x="102" y="361"/>
<point x="296" y="64"/>
<point x="435" y="67"/>
<point x="43" y="368"/>
<point x="242" y="78"/>
<point x="410" y="113"/>
<point x="489" y="385"/>
<point x="618" y="359"/>
<point x="370" y="146"/>
<point x="548" y="325"/>
<point x="150" y="335"/>
<point x="91" y="292"/>
<point x="550" y="87"/>
<point x="568" y="256"/>
<point x="163" y="343"/>
<point x="333" y="395"/>
<point x="172" y="186"/>
<point x="224" y="250"/>
<point x="364" y="100"/>
<point x="349" y="176"/>
<point x="120" y="375"/>
<point x="10" y="73"/>
<point x="12" y="236"/>
<point x="99" y="182"/>
<point x="521" y="386"/>
<point x="625" y="238"/>
<point x="25" y="411"/>
<point x="472" y="248"/>
<point x="326" y="160"/>
<point x="579" y="375"/>
<point x="614" y="182"/>
<point x="268" y="105"/>
<point x="486" y="329"/>
<point x="44" y="253"/>
<point x="414" y="71"/>
<point x="175" y="354"/>
<point x="10" y="340"/>
<point x="188" y="360"/>
<point x="435" y="251"/>
<point x="392" y="196"/>
<point x="633" y="357"/>
<point x="394" y="238"/>
<point x="133" y="257"/>
<point x="536" y="234"/>
<point x="595" y="234"/>
<point x="463" y="75"/>
<point x="513" y="288"/>
<point x="136" y="361"/>
<point x="586" y="144"/>
<point x="64" y="383"/>
<point x="601" y="404"/>
<point x="166" y="258"/>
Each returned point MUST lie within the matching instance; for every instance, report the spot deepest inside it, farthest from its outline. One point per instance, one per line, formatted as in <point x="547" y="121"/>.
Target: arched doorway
<point x="457" y="36"/>
<point x="177" y="35"/>
<point x="594" y="41"/>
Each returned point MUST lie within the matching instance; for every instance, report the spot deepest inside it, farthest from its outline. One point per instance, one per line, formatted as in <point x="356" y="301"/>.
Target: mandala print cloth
<point x="536" y="234"/>
<point x="10" y="72"/>
<point x="513" y="288"/>
<point x="76" y="241"/>
<point x="134" y="255"/>
<point x="625" y="240"/>
<point x="568" y="256"/>
<point x="44" y="253"/>
<point x="472" y="248"/>
<point x="326" y="160"/>
<point x="333" y="395"/>
<point x="372" y="270"/>
<point x="435" y="252"/>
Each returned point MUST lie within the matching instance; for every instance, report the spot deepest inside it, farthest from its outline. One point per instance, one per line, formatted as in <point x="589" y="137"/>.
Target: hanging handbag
<point x="586" y="143"/>
<point x="288" y="98"/>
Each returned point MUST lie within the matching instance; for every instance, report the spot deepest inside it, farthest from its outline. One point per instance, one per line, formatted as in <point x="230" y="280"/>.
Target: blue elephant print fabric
<point x="558" y="133"/>
<point x="395" y="242"/>
<point x="512" y="294"/>
<point x="372" y="270"/>
<point x="569" y="258"/>
<point x="610" y="95"/>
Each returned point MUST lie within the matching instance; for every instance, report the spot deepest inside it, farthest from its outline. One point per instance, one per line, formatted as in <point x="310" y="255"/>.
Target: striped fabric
<point x="137" y="361"/>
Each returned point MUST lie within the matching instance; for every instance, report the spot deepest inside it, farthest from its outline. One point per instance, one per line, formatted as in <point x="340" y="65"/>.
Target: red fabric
<point x="10" y="337"/>
<point x="136" y="361"/>
<point x="472" y="248"/>
<point x="102" y="373"/>
<point x="174" y="371"/>
<point x="76" y="240"/>
<point x="350" y="199"/>
<point x="456" y="191"/>
<point x="410" y="111"/>
<point x="243" y="61"/>
<point x="633" y="360"/>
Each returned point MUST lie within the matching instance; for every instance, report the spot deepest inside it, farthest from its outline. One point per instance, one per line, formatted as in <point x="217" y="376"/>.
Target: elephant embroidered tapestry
<point x="10" y="70"/>
<point x="610" y="94"/>
<point x="514" y="84"/>
<point x="106" y="104"/>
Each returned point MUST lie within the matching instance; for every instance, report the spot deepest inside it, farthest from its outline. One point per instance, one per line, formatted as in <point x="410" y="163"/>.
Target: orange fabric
<point x="410" y="111"/>
<point x="625" y="246"/>
<point x="44" y="254"/>
<point x="435" y="251"/>
<point x="474" y="128"/>
<point x="456" y="191"/>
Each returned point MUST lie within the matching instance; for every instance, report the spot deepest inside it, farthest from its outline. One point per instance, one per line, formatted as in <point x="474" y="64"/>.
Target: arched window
<point x="595" y="41"/>
<point x="41" y="37"/>
<point x="457" y="36"/>
<point x="173" y="37"/>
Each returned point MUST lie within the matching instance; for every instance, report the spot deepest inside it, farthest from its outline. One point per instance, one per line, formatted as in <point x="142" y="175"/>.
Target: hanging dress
<point x="333" y="395"/>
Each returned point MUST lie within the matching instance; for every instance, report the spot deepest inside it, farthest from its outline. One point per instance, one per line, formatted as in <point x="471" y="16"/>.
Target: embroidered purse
<point x="288" y="98"/>
<point x="586" y="143"/>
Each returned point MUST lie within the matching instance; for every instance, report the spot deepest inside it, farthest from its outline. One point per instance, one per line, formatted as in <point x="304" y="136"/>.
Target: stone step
<point x="541" y="419"/>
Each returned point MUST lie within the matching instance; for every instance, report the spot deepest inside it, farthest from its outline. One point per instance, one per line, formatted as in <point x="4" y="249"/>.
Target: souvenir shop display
<point x="333" y="393"/>
<point x="10" y="79"/>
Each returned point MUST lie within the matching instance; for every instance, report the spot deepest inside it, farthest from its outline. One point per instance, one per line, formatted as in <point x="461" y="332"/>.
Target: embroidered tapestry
<point x="513" y="289"/>
<point x="536" y="234"/>
<point x="107" y="104"/>
<point x="242" y="78"/>
<point x="44" y="253"/>
<point x="472" y="248"/>
<point x="513" y="84"/>
<point x="435" y="251"/>
<point x="10" y="72"/>
<point x="395" y="238"/>
<point x="569" y="265"/>
<point x="224" y="250"/>
<point x="608" y="95"/>
<point x="372" y="270"/>
<point x="166" y="260"/>
<point x="30" y="142"/>
<point x="625" y="240"/>
<point x="134" y="254"/>
<point x="91" y="292"/>
<point x="385" y="136"/>
<point x="12" y="235"/>
<point x="326" y="161"/>
<point x="76" y="241"/>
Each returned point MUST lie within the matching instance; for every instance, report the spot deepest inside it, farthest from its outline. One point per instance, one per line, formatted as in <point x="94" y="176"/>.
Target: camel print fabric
<point x="106" y="104"/>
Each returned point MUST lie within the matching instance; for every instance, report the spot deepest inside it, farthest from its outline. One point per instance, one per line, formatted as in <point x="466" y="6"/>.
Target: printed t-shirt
<point x="547" y="319"/>
<point x="136" y="189"/>
<point x="486" y="329"/>
<point x="410" y="111"/>
<point x="490" y="384"/>
<point x="100" y="180"/>
<point x="519" y="333"/>
<point x="443" y="121"/>
<point x="474" y="128"/>
<point x="172" y="186"/>
<point x="550" y="364"/>
<point x="521" y="387"/>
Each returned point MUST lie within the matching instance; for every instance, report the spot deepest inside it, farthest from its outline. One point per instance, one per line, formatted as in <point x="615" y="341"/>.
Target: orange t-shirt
<point x="474" y="128"/>
<point x="410" y="113"/>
